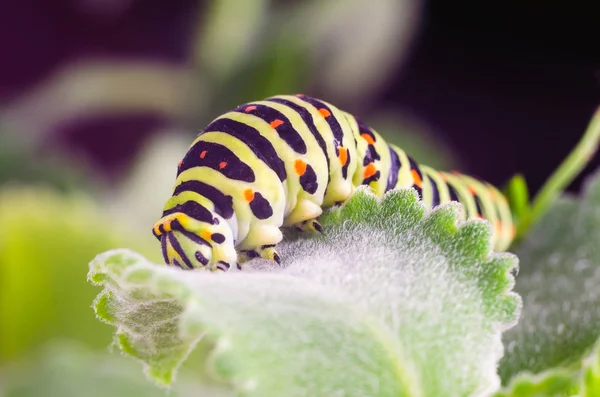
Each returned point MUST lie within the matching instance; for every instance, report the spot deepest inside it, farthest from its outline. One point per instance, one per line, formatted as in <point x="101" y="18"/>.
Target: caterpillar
<point x="279" y="163"/>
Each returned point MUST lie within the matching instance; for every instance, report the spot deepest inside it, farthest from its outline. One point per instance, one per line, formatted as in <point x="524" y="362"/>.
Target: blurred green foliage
<point x="46" y="239"/>
<point x="19" y="163"/>
<point x="66" y="368"/>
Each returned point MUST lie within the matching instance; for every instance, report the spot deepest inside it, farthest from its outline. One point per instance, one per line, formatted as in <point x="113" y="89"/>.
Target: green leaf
<point x="582" y="379"/>
<point x="590" y="381"/>
<point x="556" y="383"/>
<point x="518" y="196"/>
<point x="260" y="352"/>
<point x="560" y="262"/>
<point x="391" y="300"/>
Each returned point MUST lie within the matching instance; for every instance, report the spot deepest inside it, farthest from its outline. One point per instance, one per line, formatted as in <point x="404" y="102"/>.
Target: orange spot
<point x="479" y="216"/>
<point x="472" y="190"/>
<point x="444" y="177"/>
<point x="179" y="165"/>
<point x="498" y="227"/>
<point x="416" y="178"/>
<point x="300" y="167"/>
<point x="343" y="155"/>
<point x="248" y="195"/>
<point x="276" y="123"/>
<point x="370" y="170"/>
<point x="455" y="172"/>
<point x="324" y="112"/>
<point x="368" y="138"/>
<point x="206" y="235"/>
<point x="222" y="165"/>
<point x="513" y="230"/>
<point x="249" y="108"/>
<point x="203" y="154"/>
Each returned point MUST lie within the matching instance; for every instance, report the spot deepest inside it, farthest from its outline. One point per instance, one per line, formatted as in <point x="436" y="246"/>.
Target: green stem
<point x="566" y="172"/>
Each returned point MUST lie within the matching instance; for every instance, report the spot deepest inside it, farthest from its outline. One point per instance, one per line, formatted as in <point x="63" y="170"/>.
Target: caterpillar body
<point x="278" y="163"/>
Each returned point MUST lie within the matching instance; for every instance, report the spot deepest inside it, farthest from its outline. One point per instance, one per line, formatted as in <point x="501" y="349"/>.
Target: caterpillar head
<point x="190" y="244"/>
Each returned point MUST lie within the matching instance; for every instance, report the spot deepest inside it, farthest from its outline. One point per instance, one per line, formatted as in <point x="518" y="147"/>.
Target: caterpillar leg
<point x="305" y="211"/>
<point x="266" y="237"/>
<point x="266" y="252"/>
<point x="310" y="225"/>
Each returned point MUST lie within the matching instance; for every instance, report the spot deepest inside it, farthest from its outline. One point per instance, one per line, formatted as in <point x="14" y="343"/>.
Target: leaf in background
<point x="230" y="34"/>
<point x="351" y="56"/>
<point x="559" y="383"/>
<point x="44" y="239"/>
<point x="18" y="162"/>
<point x="273" y="50"/>
<point x="280" y="66"/>
<point x="560" y="274"/>
<point x="390" y="300"/>
<point x="590" y="381"/>
<point x="71" y="370"/>
<point x="582" y="379"/>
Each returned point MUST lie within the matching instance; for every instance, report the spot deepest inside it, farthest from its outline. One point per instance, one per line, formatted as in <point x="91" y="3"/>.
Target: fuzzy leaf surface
<point x="391" y="299"/>
<point x="560" y="274"/>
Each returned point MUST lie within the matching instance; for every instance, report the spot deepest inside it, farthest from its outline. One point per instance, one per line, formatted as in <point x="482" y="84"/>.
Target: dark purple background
<point x="511" y="84"/>
<point x="38" y="36"/>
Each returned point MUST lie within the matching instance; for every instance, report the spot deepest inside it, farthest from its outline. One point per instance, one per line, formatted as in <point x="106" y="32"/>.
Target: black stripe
<point x="309" y="121"/>
<point x="260" y="145"/>
<point x="195" y="238"/>
<point x="175" y="225"/>
<point x="372" y="178"/>
<point x="478" y="204"/>
<point x="345" y="167"/>
<point x="193" y="210"/>
<point x="218" y="238"/>
<point x="223" y="203"/>
<point x="453" y="192"/>
<point x="435" y="192"/>
<point x="223" y="266"/>
<point x="371" y="154"/>
<point x="201" y="258"/>
<point x="477" y="197"/>
<point x="216" y="154"/>
<point x="285" y="131"/>
<point x="260" y="206"/>
<point x="176" y="263"/>
<point x="363" y="128"/>
<point x="179" y="250"/>
<point x="308" y="180"/>
<point x="394" y="168"/>
<point x="163" y="248"/>
<point x="336" y="128"/>
<point x="415" y="166"/>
